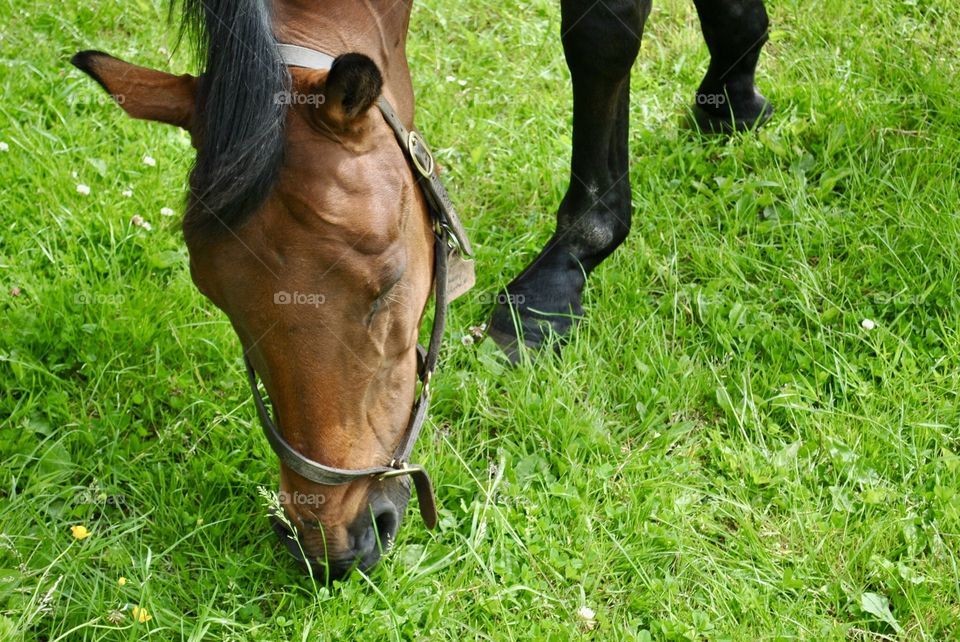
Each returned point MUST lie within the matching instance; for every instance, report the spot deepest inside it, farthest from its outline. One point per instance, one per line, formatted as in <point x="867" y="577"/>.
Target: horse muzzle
<point x="367" y="539"/>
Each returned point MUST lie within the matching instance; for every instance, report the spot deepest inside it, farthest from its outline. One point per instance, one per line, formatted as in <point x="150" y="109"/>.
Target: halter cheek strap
<point x="449" y="237"/>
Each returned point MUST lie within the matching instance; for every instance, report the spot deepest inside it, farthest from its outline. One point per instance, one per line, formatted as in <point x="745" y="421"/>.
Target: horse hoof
<point x="720" y="123"/>
<point x="508" y="343"/>
<point x="518" y="334"/>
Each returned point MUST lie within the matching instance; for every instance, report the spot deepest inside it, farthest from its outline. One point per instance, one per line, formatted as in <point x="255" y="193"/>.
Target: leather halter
<point x="449" y="237"/>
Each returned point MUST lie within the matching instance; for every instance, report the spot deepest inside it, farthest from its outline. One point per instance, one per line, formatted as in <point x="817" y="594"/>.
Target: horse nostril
<point x="375" y="531"/>
<point x="386" y="525"/>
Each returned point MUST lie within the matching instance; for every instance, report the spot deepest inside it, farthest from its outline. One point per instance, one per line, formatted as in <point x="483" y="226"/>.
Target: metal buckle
<point x="447" y="236"/>
<point x="400" y="469"/>
<point x="453" y="241"/>
<point x="417" y="146"/>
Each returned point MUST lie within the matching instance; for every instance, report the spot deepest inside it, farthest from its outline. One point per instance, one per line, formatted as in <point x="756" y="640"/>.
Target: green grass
<point x="723" y="452"/>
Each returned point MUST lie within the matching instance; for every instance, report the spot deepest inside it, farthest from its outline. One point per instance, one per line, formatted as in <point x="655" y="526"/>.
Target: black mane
<point x="240" y="120"/>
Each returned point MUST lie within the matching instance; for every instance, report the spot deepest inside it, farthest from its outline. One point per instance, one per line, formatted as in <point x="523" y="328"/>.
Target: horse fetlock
<point x="590" y="233"/>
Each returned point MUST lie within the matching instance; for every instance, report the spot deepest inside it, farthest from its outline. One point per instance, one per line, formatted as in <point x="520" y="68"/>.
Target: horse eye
<point x="382" y="297"/>
<point x="385" y="290"/>
<point x="390" y="281"/>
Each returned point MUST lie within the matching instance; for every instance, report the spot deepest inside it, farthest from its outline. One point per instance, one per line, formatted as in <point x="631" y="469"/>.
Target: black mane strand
<point x="239" y="117"/>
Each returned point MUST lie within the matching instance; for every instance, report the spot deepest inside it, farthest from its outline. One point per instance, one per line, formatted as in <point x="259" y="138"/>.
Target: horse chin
<point x="324" y="570"/>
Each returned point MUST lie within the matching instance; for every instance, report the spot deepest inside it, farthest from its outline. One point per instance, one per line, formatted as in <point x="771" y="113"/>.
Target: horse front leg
<point x="727" y="100"/>
<point x="600" y="41"/>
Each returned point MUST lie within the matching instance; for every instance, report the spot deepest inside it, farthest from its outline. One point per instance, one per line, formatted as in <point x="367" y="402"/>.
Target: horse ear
<point x="352" y="86"/>
<point x="142" y="93"/>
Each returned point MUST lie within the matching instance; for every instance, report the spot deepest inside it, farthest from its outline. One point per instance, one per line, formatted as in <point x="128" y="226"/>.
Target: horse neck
<point x="375" y="28"/>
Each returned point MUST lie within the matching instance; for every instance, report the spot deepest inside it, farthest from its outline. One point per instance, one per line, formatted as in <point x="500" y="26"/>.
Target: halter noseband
<point x="449" y="238"/>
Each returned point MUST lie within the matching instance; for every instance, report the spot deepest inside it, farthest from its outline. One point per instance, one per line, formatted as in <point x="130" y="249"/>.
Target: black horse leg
<point x="600" y="42"/>
<point x="727" y="100"/>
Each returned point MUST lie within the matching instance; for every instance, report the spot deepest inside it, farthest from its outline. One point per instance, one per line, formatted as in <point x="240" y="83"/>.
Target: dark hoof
<point x="509" y="344"/>
<point x="720" y="122"/>
<point x="518" y="331"/>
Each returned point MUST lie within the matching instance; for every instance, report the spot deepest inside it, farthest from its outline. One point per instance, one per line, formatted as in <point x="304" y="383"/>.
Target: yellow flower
<point x="141" y="615"/>
<point x="122" y="581"/>
<point x="79" y="532"/>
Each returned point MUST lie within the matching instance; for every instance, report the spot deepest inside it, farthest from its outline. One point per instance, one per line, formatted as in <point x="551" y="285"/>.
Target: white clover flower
<point x="451" y="79"/>
<point x="466" y="340"/>
<point x="83" y="189"/>
<point x="587" y="617"/>
<point x="166" y="211"/>
<point x="476" y="331"/>
<point x="137" y="220"/>
<point x="127" y="192"/>
<point x="868" y="324"/>
<point x="149" y="161"/>
<point x="4" y="147"/>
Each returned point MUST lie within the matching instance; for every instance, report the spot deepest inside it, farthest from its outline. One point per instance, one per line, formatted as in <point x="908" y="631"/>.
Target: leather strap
<point x="297" y="56"/>
<point x="330" y="476"/>
<point x="422" y="160"/>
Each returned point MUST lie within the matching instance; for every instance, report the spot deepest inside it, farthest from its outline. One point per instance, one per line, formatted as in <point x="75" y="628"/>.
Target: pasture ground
<point x="723" y="452"/>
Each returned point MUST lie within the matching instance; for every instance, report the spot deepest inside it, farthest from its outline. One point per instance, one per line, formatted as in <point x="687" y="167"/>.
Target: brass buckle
<point x="416" y="146"/>
<point x="401" y="469"/>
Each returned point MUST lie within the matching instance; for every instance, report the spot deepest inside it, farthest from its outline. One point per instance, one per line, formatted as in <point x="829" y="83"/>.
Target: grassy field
<point x="725" y="451"/>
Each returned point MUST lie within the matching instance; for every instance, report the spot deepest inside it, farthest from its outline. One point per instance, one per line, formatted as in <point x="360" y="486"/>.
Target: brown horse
<point x="310" y="227"/>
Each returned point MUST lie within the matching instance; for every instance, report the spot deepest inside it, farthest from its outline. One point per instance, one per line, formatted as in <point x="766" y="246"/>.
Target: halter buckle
<point x="400" y="469"/>
<point x="420" y="154"/>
